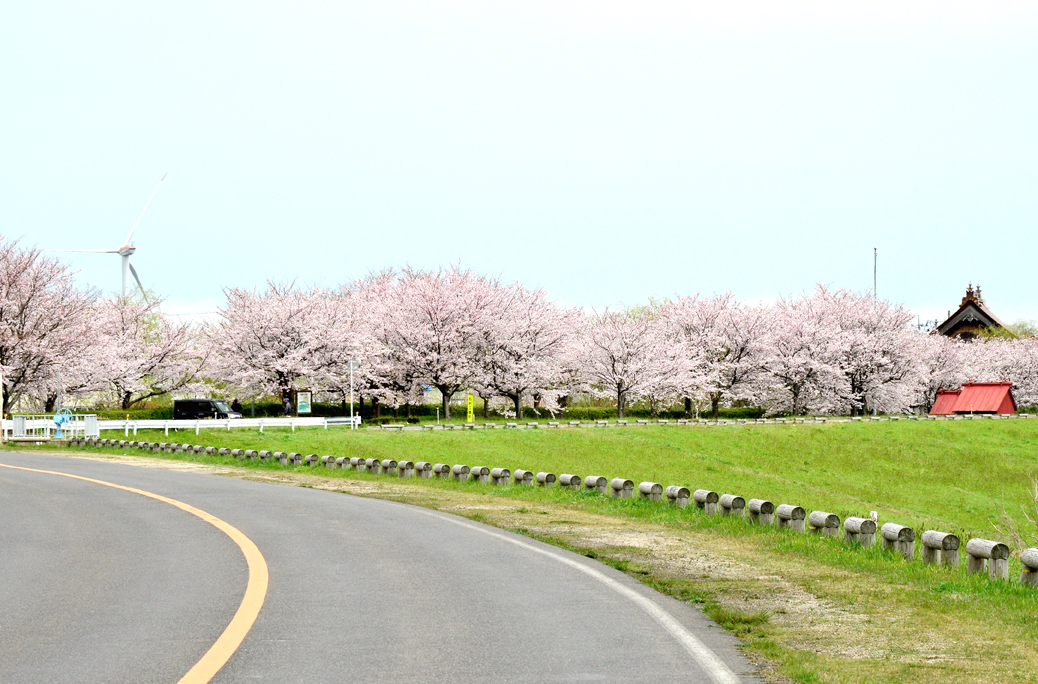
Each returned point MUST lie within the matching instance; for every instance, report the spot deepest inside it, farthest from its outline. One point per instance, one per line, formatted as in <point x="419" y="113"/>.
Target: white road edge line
<point x="707" y="659"/>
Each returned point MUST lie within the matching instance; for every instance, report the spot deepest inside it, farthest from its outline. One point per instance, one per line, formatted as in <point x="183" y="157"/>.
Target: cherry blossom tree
<point x="802" y="355"/>
<point x="526" y="347"/>
<point x="721" y="344"/>
<point x="878" y="360"/>
<point x="44" y="320"/>
<point x="434" y="325"/>
<point x="629" y="355"/>
<point x="142" y="353"/>
<point x="283" y="339"/>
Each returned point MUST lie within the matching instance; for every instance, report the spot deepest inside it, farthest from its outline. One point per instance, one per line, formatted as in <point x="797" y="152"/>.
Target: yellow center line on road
<point x="255" y="591"/>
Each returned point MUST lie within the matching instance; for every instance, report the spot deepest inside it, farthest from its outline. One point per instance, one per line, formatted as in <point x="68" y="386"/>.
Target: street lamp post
<point x="354" y="364"/>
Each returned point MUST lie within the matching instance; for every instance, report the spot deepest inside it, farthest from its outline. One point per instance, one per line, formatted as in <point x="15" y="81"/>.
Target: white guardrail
<point x="45" y="425"/>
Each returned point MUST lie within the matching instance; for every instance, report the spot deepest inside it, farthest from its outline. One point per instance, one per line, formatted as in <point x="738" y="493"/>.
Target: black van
<point x="193" y="409"/>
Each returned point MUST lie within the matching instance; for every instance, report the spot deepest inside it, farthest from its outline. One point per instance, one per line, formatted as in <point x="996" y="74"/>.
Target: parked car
<point x="194" y="409"/>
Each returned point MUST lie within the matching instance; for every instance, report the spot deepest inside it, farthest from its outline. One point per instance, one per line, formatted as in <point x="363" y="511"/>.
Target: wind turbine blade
<point x="145" y="208"/>
<point x="134" y="272"/>
<point x="93" y="251"/>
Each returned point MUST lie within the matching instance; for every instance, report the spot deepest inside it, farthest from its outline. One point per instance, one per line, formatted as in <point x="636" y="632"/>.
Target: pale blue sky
<point x="608" y="152"/>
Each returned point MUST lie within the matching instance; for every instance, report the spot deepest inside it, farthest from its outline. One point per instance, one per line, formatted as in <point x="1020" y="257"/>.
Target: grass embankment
<point x="817" y="609"/>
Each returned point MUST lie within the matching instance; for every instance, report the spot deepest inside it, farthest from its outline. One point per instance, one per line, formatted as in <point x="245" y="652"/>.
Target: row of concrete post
<point x="937" y="547"/>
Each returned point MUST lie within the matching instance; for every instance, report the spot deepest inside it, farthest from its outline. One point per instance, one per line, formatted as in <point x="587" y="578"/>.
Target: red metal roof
<point x="976" y="397"/>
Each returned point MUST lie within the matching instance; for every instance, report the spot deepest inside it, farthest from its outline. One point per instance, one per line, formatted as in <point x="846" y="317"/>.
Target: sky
<point x="607" y="152"/>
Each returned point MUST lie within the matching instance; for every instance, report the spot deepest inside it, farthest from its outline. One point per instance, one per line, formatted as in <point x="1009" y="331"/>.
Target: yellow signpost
<point x="471" y="417"/>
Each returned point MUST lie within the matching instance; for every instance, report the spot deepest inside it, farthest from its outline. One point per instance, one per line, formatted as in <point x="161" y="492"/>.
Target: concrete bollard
<point x="523" y="477"/>
<point x="292" y="458"/>
<point x="706" y="500"/>
<point x="442" y="470"/>
<point x="424" y="469"/>
<point x="761" y="512"/>
<point x="789" y="516"/>
<point x="570" y="480"/>
<point x="342" y="463"/>
<point x="1029" y="567"/>
<point x="279" y="456"/>
<point x="357" y="464"/>
<point x="373" y="466"/>
<point x="211" y="450"/>
<point x="653" y="491"/>
<point x="199" y="449"/>
<point x="993" y="553"/>
<point x="731" y="505"/>
<point x="899" y="538"/>
<point x="678" y="495"/>
<point x="328" y="461"/>
<point x="405" y="469"/>
<point x="242" y="453"/>
<point x="460" y="472"/>
<point x="940" y="547"/>
<point x="596" y="482"/>
<point x="859" y="530"/>
<point x="222" y="452"/>
<point x="264" y="454"/>
<point x="621" y="488"/>
<point x="311" y="459"/>
<point x="823" y="523"/>
<point x="388" y="466"/>
<point x="545" y="479"/>
<point x="500" y="476"/>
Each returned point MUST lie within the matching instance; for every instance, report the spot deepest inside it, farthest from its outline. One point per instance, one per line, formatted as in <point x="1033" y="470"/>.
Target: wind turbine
<point x="127" y="249"/>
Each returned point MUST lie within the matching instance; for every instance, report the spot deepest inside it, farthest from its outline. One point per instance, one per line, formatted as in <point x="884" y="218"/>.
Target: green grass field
<point x="952" y="476"/>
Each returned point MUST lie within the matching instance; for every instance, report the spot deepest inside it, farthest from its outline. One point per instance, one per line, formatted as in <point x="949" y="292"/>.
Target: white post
<point x="196" y="427"/>
<point x="352" y="424"/>
<point x="261" y="425"/>
<point x="126" y="427"/>
<point x="3" y="431"/>
<point x="293" y="424"/>
<point x="134" y="428"/>
<point x="165" y="425"/>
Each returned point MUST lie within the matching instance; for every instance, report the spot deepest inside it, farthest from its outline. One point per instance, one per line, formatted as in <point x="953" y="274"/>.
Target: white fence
<point x="43" y="426"/>
<point x="132" y="426"/>
<point x="90" y="426"/>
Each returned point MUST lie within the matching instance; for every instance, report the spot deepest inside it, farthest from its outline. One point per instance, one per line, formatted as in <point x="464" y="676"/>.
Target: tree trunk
<point x="715" y="401"/>
<point x="688" y="406"/>
<point x="445" y="401"/>
<point x="396" y="411"/>
<point x="486" y="407"/>
<point x="619" y="402"/>
<point x="517" y="400"/>
<point x="344" y="404"/>
<point x="49" y="402"/>
<point x="378" y="407"/>
<point x="407" y="409"/>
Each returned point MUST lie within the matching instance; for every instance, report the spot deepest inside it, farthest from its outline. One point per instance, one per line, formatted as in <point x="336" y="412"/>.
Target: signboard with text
<point x="471" y="418"/>
<point x="303" y="402"/>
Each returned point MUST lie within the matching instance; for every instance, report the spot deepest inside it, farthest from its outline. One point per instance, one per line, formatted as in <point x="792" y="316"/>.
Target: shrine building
<point x="970" y="318"/>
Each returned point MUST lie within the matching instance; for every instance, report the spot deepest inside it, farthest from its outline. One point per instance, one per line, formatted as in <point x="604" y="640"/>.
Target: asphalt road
<point x="102" y="585"/>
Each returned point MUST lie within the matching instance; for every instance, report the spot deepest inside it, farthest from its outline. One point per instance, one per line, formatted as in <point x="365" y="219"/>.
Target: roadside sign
<point x="471" y="418"/>
<point x="303" y="402"/>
